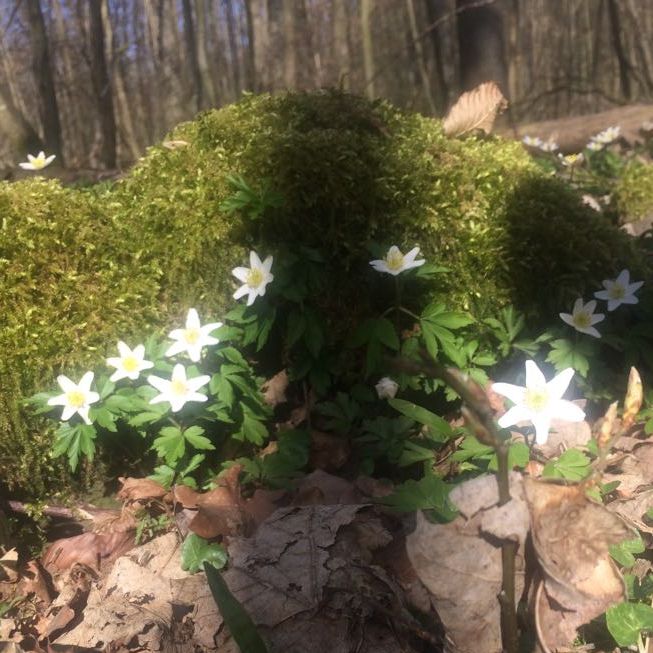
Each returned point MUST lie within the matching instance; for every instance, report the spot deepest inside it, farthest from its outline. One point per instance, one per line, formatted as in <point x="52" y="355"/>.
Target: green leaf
<point x="439" y="429"/>
<point x="565" y="353"/>
<point x="170" y="444"/>
<point x="313" y="333"/>
<point x="625" y="621"/>
<point x="148" y="417"/>
<point x="195" y="435"/>
<point x="430" y="493"/>
<point x="296" y="327"/>
<point x="415" y="453"/>
<point x="240" y="624"/>
<point x="623" y="552"/>
<point x="518" y="456"/>
<point x="251" y="430"/>
<point x="572" y="465"/>
<point x="103" y="418"/>
<point x="195" y="551"/>
<point x="74" y="441"/>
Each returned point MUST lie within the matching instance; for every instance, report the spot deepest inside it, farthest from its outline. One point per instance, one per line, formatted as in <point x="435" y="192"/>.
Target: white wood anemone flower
<point x="179" y="389"/>
<point x="395" y="262"/>
<point x="619" y="291"/>
<point x="254" y="278"/>
<point x="539" y="402"/>
<point x="608" y="135"/>
<point x="193" y="337"/>
<point x="130" y="363"/>
<point x="37" y="162"/>
<point x="386" y="388"/>
<point x="76" y="397"/>
<point x="583" y="318"/>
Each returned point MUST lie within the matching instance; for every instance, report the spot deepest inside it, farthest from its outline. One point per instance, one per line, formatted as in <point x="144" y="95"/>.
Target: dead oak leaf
<point x="476" y="109"/>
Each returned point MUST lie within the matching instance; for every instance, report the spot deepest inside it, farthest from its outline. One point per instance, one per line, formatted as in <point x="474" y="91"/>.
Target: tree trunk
<point x="44" y="77"/>
<point x="481" y="46"/>
<point x="191" y="52"/>
<point x="340" y="43"/>
<point x="368" y="47"/>
<point x="202" y="53"/>
<point x="253" y="45"/>
<point x="289" y="44"/>
<point x="236" y="74"/>
<point x="102" y="86"/>
<point x="617" y="44"/>
<point x="435" y="11"/>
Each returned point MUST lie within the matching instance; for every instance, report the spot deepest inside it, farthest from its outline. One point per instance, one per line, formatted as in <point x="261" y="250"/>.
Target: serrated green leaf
<point x="195" y="435"/>
<point x="170" y="444"/>
<point x="430" y="493"/>
<point x="625" y="621"/>
<point x="439" y="429"/>
<point x="572" y="465"/>
<point x="195" y="551"/>
<point x="103" y="418"/>
<point x="251" y="430"/>
<point x="623" y="552"/>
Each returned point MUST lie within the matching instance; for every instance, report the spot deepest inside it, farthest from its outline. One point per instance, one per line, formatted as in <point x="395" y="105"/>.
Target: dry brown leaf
<point x="140" y="489"/>
<point x="185" y="496"/>
<point x="328" y="451"/>
<point x="174" y="144"/>
<point x="220" y="511"/>
<point x="571" y="536"/>
<point x="320" y="488"/>
<point x="461" y="566"/>
<point x="9" y="567"/>
<point x="634" y="398"/>
<point x="90" y="549"/>
<point x="274" y="389"/>
<point x="476" y="109"/>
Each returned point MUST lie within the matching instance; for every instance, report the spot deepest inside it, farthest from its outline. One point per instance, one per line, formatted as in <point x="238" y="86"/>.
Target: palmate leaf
<point x="195" y="551"/>
<point x="625" y="621"/>
<point x="74" y="441"/>
<point x="430" y="493"/>
<point x="572" y="465"/>
<point x="195" y="435"/>
<point x="170" y="444"/>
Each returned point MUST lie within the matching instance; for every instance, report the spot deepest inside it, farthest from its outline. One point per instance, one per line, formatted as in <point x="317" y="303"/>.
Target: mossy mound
<point x="90" y="266"/>
<point x="633" y="192"/>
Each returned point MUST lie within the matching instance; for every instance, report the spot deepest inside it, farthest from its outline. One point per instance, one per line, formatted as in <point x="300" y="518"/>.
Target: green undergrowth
<point x="332" y="173"/>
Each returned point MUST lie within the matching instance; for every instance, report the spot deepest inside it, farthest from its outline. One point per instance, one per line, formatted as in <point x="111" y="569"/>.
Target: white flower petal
<point x="267" y="265"/>
<point x="596" y="318"/>
<point x="66" y="384"/>
<point x="558" y="385"/>
<point x="241" y="274"/>
<point x="68" y="412"/>
<point x="59" y="400"/>
<point x="578" y="306"/>
<point x="567" y="410"/>
<point x="175" y="348"/>
<point x="590" y="331"/>
<point x="602" y="294"/>
<point x="634" y="287"/>
<point x="542" y="424"/>
<point x="515" y="393"/>
<point x="243" y="290"/>
<point x="193" y="319"/>
<point x="568" y="318"/>
<point x="162" y="385"/>
<point x="624" y="278"/>
<point x="83" y="413"/>
<point x="85" y="382"/>
<point x="254" y="260"/>
<point x="534" y="376"/>
<point x="515" y="415"/>
<point x="196" y="396"/>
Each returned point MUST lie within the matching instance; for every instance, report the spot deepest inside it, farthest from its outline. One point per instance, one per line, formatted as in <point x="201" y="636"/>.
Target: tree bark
<point x="617" y="44"/>
<point x="202" y="53"/>
<point x="340" y="43"/>
<point x="191" y="52"/>
<point x="481" y="45"/>
<point x="368" y="47"/>
<point x="44" y="77"/>
<point x="102" y="86"/>
<point x="236" y="73"/>
<point x="289" y="44"/>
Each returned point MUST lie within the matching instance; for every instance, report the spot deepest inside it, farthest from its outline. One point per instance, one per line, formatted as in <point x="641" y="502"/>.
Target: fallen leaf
<point x="476" y="109"/>
<point x="461" y="566"/>
<point x="329" y="452"/>
<point x="274" y="389"/>
<point x="321" y="488"/>
<point x="9" y="567"/>
<point x="572" y="536"/>
<point x="140" y="489"/>
<point x="185" y="496"/>
<point x="174" y="144"/>
<point x="90" y="549"/>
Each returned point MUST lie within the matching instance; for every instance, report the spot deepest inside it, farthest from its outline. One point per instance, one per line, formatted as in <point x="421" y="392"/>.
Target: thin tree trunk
<point x="419" y="51"/>
<point x="102" y="85"/>
<point x="289" y="44"/>
<point x="236" y="72"/>
<point x="340" y="44"/>
<point x="368" y="47"/>
<point x="253" y="46"/>
<point x="191" y="52"/>
<point x="617" y="44"/>
<point x="44" y="77"/>
<point x="202" y="53"/>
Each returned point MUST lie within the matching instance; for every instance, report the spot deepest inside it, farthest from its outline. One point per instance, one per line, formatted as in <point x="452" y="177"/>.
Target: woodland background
<point x="97" y="81"/>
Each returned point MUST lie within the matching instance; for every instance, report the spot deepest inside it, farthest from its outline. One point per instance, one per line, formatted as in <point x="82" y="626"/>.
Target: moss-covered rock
<point x="86" y="267"/>
<point x="633" y="193"/>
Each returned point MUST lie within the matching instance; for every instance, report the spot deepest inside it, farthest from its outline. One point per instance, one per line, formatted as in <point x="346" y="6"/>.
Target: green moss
<point x="633" y="192"/>
<point x="85" y="267"/>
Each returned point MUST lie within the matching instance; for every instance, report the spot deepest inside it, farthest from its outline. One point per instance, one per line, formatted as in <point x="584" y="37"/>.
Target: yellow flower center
<point x="75" y="398"/>
<point x="617" y="291"/>
<point x="254" y="278"/>
<point x="394" y="260"/>
<point x="191" y="336"/>
<point x="130" y="364"/>
<point x="38" y="163"/>
<point x="582" y="319"/>
<point x="178" y="387"/>
<point x="536" y="399"/>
